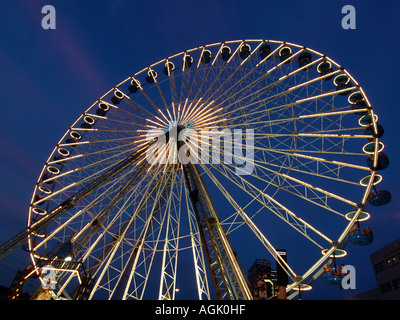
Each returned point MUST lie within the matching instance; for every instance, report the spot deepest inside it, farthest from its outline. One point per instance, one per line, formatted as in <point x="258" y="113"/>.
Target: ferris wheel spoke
<point x="113" y="208"/>
<point x="84" y="247"/>
<point x="205" y="70"/>
<point x="94" y="130"/>
<point x="304" y="150"/>
<point x="84" y="180"/>
<point x="124" y="279"/>
<point x="185" y="77"/>
<point x="299" y="70"/>
<point x="102" y="148"/>
<point x="326" y="144"/>
<point x="271" y="157"/>
<point x="171" y="242"/>
<point x="116" y="151"/>
<point x="160" y="91"/>
<point x="110" y="110"/>
<point x="322" y="160"/>
<point x="225" y="84"/>
<point x="248" y="221"/>
<point x="72" y="201"/>
<point x="216" y="76"/>
<point x="315" y="135"/>
<point x="271" y="204"/>
<point x="198" y="76"/>
<point x="139" y="112"/>
<point x="172" y="82"/>
<point x="215" y="91"/>
<point x="138" y="104"/>
<point x="330" y="169"/>
<point x="140" y="254"/>
<point x="109" y="144"/>
<point x="119" y="114"/>
<point x="99" y="142"/>
<point x="148" y="98"/>
<point x="258" y="109"/>
<point x="62" y="161"/>
<point x="320" y="171"/>
<point x="98" y="199"/>
<point x="249" y="87"/>
<point x="111" y="123"/>
<point x="154" y="245"/>
<point x="326" y="195"/>
<point x="121" y="230"/>
<point x="268" y="99"/>
<point x="260" y="115"/>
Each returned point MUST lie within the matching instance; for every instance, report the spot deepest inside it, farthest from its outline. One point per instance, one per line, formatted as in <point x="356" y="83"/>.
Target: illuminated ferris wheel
<point x="199" y="164"/>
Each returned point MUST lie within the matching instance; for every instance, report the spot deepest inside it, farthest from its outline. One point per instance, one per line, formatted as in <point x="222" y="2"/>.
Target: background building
<point x="386" y="265"/>
<point x="387" y="270"/>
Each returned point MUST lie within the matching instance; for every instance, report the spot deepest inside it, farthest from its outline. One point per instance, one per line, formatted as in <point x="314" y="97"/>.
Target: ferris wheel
<point x="203" y="162"/>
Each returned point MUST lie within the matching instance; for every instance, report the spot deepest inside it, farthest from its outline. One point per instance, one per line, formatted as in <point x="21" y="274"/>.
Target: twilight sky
<point x="49" y="77"/>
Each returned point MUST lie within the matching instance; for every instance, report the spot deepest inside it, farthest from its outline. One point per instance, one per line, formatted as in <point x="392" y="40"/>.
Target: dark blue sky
<point x="49" y="77"/>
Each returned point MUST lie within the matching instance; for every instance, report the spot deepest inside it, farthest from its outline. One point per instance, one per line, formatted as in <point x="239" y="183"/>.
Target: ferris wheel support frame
<point x="226" y="271"/>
